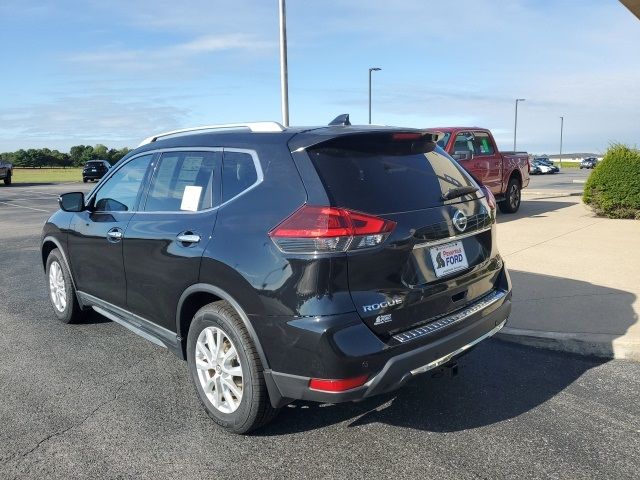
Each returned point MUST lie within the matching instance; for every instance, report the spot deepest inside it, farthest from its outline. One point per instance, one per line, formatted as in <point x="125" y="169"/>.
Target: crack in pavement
<point x="59" y="433"/>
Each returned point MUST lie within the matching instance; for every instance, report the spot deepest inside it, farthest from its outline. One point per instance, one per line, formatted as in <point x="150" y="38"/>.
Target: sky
<point x="117" y="71"/>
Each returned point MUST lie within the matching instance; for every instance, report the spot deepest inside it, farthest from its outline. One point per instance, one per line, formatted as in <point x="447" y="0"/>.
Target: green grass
<point x="46" y="175"/>
<point x="567" y="164"/>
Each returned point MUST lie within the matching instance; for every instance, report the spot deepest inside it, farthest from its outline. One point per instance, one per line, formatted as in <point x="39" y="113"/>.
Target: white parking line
<point x="22" y="206"/>
<point x="27" y="192"/>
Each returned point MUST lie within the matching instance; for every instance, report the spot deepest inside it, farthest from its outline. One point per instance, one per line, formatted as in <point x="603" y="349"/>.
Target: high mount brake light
<point x="407" y="136"/>
<point x="315" y="229"/>
<point x="491" y="200"/>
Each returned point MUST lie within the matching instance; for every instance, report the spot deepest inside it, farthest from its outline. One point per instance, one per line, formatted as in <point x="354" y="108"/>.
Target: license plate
<point x="448" y="258"/>
<point x="93" y="170"/>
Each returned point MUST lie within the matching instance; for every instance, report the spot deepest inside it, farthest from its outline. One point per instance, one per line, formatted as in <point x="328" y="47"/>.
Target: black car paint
<point x="303" y="311"/>
<point x="95" y="170"/>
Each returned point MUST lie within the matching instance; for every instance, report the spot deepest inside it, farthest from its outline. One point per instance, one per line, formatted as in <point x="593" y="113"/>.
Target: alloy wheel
<point x="514" y="196"/>
<point x="57" y="288"/>
<point x="219" y="369"/>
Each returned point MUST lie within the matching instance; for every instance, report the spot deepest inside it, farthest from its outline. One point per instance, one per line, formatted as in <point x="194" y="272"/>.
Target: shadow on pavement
<point x="498" y="381"/>
<point x="556" y="304"/>
<point x="533" y="209"/>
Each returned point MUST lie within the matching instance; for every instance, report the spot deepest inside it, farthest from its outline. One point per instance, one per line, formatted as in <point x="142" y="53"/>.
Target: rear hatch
<point x="428" y="266"/>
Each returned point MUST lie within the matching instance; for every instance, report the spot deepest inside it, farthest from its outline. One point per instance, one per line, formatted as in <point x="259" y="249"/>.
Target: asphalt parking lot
<point x="96" y="401"/>
<point x="568" y="180"/>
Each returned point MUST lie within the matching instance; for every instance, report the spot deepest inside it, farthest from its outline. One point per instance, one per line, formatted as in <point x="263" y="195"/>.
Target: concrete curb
<point x="551" y="194"/>
<point x="592" y="344"/>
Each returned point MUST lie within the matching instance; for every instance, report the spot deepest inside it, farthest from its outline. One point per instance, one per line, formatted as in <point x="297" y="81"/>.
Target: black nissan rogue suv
<point x="326" y="264"/>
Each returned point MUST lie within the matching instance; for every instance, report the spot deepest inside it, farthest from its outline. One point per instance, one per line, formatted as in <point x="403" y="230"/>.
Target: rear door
<point x="405" y="282"/>
<point x="164" y="241"/>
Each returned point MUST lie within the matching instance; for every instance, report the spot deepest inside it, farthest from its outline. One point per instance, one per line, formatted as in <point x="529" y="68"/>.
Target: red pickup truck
<point x="504" y="173"/>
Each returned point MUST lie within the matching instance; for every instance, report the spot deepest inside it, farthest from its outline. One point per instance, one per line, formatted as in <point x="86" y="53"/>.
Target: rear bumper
<point x="93" y="175"/>
<point x="349" y="352"/>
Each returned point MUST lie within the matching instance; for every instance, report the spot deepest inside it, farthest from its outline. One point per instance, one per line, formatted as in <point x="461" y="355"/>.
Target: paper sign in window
<point x="191" y="198"/>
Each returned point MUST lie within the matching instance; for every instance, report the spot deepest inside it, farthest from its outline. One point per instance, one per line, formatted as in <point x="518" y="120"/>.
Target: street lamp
<point x="284" y="76"/>
<point x="374" y="69"/>
<point x="561" y="128"/>
<point x="515" y="123"/>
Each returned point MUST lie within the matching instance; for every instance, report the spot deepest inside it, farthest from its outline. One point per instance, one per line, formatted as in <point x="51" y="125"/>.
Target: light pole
<point x="374" y="69"/>
<point x="561" y="128"/>
<point x="284" y="80"/>
<point x="515" y="123"/>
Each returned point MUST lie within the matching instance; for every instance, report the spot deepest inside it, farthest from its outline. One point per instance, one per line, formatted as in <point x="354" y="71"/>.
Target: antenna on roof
<point x="341" y="120"/>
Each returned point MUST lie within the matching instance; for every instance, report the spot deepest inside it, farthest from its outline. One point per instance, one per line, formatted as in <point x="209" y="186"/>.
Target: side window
<point x="442" y="143"/>
<point x="120" y="192"/>
<point x="184" y="181"/>
<point x="482" y="144"/>
<point x="463" y="143"/>
<point x="238" y="174"/>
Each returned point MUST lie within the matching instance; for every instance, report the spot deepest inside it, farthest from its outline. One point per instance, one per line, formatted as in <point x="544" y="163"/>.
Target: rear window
<point x="368" y="174"/>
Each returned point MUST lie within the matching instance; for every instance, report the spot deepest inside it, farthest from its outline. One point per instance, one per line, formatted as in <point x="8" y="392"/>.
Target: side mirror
<point x="71" y="202"/>
<point x="466" y="155"/>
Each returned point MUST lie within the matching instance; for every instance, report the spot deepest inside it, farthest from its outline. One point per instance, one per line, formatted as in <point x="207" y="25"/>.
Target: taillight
<point x="341" y="385"/>
<point x="491" y="200"/>
<point x="313" y="229"/>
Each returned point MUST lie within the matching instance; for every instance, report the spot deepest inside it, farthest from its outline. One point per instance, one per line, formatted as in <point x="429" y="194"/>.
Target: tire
<point x="84" y="180"/>
<point x="63" y="301"/>
<point x="219" y="323"/>
<point x="7" y="179"/>
<point x="512" y="200"/>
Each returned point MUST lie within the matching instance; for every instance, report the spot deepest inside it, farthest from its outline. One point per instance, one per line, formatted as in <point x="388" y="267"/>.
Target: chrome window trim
<point x="432" y="243"/>
<point x="111" y="172"/>
<point x="254" y="156"/>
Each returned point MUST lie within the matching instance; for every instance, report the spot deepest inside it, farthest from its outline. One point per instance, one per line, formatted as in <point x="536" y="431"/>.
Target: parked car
<point x="95" y="170"/>
<point x="505" y="174"/>
<point x="541" y="167"/>
<point x="6" y="172"/>
<point x="590" y="162"/>
<point x="552" y="167"/>
<point x="327" y="264"/>
<point x="534" y="168"/>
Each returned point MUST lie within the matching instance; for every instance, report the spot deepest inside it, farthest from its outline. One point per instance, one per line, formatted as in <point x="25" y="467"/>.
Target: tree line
<point x="77" y="156"/>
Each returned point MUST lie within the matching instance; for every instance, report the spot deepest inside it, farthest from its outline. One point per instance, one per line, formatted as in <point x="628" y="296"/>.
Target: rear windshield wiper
<point x="458" y="192"/>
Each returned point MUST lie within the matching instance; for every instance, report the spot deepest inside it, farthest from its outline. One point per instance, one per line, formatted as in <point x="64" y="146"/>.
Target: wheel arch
<point x="197" y="296"/>
<point x="517" y="174"/>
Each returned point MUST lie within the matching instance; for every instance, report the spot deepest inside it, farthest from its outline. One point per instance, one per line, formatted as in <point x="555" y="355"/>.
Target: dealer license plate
<point x="448" y="258"/>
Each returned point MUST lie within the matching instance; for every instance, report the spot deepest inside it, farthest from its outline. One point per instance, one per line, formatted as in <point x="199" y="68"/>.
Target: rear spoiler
<point x="341" y="128"/>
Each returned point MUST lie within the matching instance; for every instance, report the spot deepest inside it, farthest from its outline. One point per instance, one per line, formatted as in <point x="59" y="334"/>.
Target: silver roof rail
<point x="253" y="127"/>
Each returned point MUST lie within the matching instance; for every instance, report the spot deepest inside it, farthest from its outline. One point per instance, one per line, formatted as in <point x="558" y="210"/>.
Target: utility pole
<point x="373" y="69"/>
<point x="561" y="128"/>
<point x="284" y="72"/>
<point x="515" y="123"/>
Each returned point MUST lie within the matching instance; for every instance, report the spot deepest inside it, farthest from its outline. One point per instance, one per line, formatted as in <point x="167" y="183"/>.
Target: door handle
<point x="114" y="235"/>
<point x="188" y="238"/>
